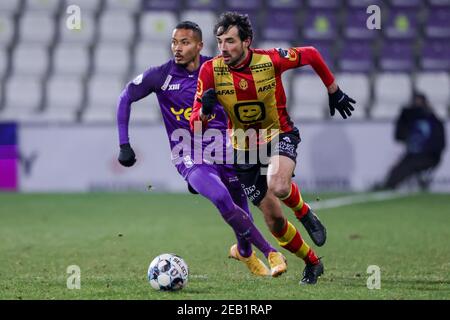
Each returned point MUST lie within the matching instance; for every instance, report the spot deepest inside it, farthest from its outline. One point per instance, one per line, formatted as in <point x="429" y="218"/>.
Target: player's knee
<point x="223" y="201"/>
<point x="279" y="188"/>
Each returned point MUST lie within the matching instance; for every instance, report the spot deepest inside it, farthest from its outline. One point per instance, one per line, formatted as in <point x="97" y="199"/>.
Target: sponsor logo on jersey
<point x="267" y="87"/>
<point x="175" y="86"/>
<point x="166" y="83"/>
<point x="261" y="67"/>
<point x="138" y="80"/>
<point x="290" y="54"/>
<point x="224" y="84"/>
<point x="225" y="92"/>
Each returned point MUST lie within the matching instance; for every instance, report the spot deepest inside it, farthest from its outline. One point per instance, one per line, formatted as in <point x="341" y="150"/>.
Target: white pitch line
<point x="363" y="198"/>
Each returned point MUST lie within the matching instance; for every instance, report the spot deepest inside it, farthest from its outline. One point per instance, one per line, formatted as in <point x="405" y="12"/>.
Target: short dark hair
<point x="231" y="19"/>
<point x="189" y="25"/>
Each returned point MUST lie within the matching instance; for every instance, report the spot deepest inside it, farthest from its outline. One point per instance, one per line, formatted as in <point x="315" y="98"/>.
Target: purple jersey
<point x="175" y="89"/>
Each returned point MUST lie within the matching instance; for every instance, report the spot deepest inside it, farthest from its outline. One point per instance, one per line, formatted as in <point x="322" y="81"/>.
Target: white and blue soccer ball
<point x="168" y="272"/>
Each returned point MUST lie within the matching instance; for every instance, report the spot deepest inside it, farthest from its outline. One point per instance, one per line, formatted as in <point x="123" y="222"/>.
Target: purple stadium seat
<point x="438" y="23"/>
<point x="320" y="25"/>
<point x="280" y="25"/>
<point x="356" y="56"/>
<point x="356" y="25"/>
<point x="437" y="3"/>
<point x="284" y="4"/>
<point x="435" y="55"/>
<point x="401" y="24"/>
<point x="397" y="56"/>
<point x="406" y="3"/>
<point x="324" y="4"/>
<point x="172" y="5"/>
<point x="212" y="5"/>
<point x="362" y="3"/>
<point x="235" y="5"/>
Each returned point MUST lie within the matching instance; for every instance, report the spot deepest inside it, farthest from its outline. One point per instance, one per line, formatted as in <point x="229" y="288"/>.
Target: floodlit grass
<point x="113" y="238"/>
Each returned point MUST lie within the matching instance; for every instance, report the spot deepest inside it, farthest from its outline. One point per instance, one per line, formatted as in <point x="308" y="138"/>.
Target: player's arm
<point x="301" y="56"/>
<point x="205" y="97"/>
<point x="140" y="87"/>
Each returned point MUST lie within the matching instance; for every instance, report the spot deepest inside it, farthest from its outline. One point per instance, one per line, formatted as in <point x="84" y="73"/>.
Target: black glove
<point x="209" y="101"/>
<point x="127" y="157"/>
<point x="341" y="102"/>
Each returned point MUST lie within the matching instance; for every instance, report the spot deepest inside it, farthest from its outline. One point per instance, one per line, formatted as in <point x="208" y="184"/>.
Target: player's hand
<point x="127" y="157"/>
<point x="209" y="101"/>
<point x="341" y="102"/>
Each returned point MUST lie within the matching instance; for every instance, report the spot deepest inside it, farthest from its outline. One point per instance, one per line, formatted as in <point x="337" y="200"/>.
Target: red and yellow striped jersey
<point x="252" y="94"/>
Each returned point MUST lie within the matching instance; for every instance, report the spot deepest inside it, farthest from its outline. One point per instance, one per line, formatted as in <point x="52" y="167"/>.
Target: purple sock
<point x="207" y="182"/>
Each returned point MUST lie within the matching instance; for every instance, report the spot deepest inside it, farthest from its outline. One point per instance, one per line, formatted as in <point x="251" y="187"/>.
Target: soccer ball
<point x="168" y="272"/>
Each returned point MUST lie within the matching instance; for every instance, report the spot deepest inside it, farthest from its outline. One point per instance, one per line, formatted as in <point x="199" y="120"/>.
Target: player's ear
<point x="247" y="42"/>
<point x="200" y="45"/>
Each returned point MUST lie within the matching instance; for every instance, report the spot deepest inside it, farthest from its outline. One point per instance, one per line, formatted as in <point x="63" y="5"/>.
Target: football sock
<point x="295" y="202"/>
<point x="290" y="239"/>
<point x="209" y="185"/>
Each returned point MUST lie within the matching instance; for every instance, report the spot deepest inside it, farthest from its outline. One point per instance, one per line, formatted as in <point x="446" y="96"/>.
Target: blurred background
<point x="59" y="87"/>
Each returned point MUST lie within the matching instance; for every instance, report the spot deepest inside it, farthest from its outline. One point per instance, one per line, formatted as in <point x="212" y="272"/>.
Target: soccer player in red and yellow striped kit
<point x="247" y="83"/>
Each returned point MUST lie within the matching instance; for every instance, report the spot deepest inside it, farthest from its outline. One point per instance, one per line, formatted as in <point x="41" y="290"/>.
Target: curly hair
<point x="231" y="19"/>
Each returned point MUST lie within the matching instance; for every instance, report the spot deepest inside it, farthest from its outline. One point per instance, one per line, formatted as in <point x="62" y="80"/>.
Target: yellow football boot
<point x="253" y="263"/>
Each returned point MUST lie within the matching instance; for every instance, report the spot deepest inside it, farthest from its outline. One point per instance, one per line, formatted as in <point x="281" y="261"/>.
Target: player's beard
<point x="239" y="59"/>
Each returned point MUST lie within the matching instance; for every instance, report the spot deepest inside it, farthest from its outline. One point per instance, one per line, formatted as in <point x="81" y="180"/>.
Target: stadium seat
<point x="355" y="26"/>
<point x="48" y="6"/>
<point x="169" y="5"/>
<point x="3" y="63"/>
<point x="38" y="27"/>
<point x="412" y="4"/>
<point x="147" y="55"/>
<point x="437" y="25"/>
<point x="435" y="85"/>
<point x="20" y="106"/>
<point x="9" y="7"/>
<point x="206" y="21"/>
<point x="363" y="3"/>
<point x="123" y="5"/>
<point x="237" y="5"/>
<point x="111" y="59"/>
<point x="269" y="44"/>
<point x="356" y="56"/>
<point x="102" y="97"/>
<point x="280" y="25"/>
<point x="85" y="35"/>
<point x="157" y="26"/>
<point x="357" y="86"/>
<point x="292" y="5"/>
<point x="434" y="55"/>
<point x="6" y="30"/>
<point x="64" y="95"/>
<point x="401" y="24"/>
<point x="30" y="60"/>
<point x="324" y="4"/>
<point x="309" y="97"/>
<point x="78" y="56"/>
<point x="320" y="25"/>
<point x="213" y="5"/>
<point x="397" y="56"/>
<point x="146" y="109"/>
<point x="392" y="91"/>
<point x="90" y="6"/>
<point x="117" y="27"/>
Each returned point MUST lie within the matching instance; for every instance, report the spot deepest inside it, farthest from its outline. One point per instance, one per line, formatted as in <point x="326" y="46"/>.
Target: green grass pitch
<point x="113" y="238"/>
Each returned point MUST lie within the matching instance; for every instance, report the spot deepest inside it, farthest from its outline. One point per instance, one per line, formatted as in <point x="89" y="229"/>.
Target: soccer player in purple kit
<point x="174" y="84"/>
